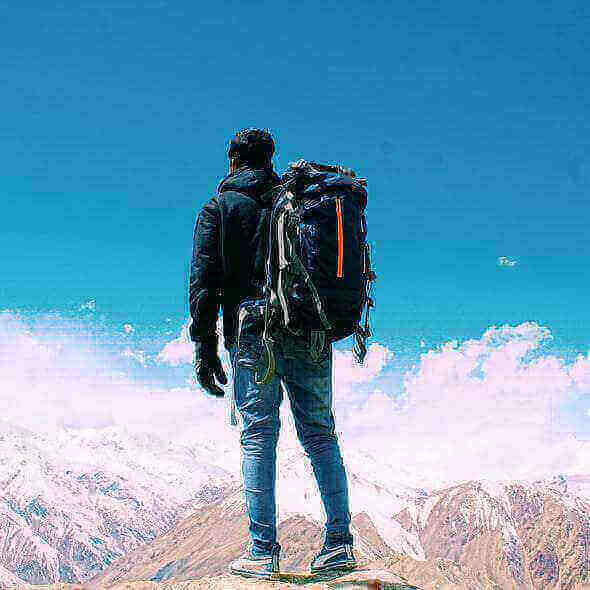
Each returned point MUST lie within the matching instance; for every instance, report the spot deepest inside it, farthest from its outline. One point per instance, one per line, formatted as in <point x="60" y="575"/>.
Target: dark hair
<point x="252" y="146"/>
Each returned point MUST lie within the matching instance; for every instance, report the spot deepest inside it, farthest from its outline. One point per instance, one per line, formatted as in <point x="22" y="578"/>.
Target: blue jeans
<point x="309" y="385"/>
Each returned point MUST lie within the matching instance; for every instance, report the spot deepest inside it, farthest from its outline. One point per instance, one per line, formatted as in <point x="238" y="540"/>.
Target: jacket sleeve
<point x="206" y="276"/>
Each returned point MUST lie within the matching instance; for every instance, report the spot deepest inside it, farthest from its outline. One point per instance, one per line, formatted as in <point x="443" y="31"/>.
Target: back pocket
<point x="250" y="328"/>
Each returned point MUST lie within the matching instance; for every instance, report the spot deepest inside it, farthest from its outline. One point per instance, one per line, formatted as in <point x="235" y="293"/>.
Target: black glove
<point x="208" y="367"/>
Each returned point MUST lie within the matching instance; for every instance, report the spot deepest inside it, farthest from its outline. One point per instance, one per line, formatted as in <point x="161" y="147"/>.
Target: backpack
<point x="318" y="275"/>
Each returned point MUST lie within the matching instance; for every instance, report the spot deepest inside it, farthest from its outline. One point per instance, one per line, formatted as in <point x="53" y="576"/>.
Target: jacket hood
<point x="254" y="183"/>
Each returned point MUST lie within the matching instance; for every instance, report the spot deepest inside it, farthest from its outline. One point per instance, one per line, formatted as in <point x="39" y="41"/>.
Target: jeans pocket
<point x="323" y="359"/>
<point x="249" y="353"/>
<point x="299" y="348"/>
<point x="250" y="328"/>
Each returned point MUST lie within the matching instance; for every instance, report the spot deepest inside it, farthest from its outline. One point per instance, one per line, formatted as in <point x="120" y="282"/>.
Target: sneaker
<point x="334" y="557"/>
<point x="257" y="566"/>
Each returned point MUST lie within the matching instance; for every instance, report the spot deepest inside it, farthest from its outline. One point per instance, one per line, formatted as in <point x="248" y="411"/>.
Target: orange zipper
<point x="340" y="272"/>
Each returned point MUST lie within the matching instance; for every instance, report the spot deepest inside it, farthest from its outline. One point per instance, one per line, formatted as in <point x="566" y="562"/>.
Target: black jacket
<point x="225" y="267"/>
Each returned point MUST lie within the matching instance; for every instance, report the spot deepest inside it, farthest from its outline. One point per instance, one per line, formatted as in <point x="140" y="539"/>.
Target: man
<point x="226" y="271"/>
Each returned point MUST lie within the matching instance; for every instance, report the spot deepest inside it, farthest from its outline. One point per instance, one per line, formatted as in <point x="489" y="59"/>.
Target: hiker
<point x="229" y="236"/>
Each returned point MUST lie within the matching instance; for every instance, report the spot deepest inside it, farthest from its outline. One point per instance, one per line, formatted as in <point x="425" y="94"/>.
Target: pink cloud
<point x="470" y="409"/>
<point x="177" y="352"/>
<point x="348" y="373"/>
<point x="180" y="351"/>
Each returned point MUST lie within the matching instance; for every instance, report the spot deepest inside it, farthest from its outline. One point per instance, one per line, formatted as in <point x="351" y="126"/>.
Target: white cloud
<point x="580" y="372"/>
<point x="505" y="261"/>
<point x="480" y="408"/>
<point x="348" y="373"/>
<point x="90" y="305"/>
<point x="51" y="379"/>
<point x="180" y="351"/>
<point x="139" y="356"/>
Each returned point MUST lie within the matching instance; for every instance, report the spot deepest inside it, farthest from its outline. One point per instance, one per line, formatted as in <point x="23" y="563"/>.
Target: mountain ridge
<point x="79" y="509"/>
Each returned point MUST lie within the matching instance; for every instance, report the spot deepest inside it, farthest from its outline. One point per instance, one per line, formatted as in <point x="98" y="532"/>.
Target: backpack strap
<point x="281" y="273"/>
<point x="269" y="362"/>
<point x="363" y="332"/>
<point x="318" y="341"/>
<point x="283" y="267"/>
<point x="272" y="304"/>
<point x="291" y="267"/>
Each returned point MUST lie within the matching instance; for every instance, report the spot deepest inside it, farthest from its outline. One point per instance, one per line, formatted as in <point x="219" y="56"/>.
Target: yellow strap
<point x="270" y="362"/>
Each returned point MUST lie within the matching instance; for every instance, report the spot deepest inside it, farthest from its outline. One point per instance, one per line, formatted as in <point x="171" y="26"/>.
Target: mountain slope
<point x="113" y="505"/>
<point x="204" y="544"/>
<point x="521" y="535"/>
<point x="74" y="502"/>
<point x="477" y="534"/>
<point x="8" y="579"/>
<point x="70" y="507"/>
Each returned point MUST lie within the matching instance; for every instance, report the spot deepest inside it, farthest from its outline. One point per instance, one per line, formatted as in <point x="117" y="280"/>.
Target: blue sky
<point x="471" y="125"/>
<point x="470" y="120"/>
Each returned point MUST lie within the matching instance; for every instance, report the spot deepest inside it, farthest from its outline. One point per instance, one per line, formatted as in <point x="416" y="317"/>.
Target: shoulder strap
<point x="261" y="240"/>
<point x="283" y="267"/>
<point x="363" y="332"/>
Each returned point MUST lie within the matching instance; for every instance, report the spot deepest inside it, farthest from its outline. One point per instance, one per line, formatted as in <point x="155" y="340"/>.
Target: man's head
<point x="251" y="147"/>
